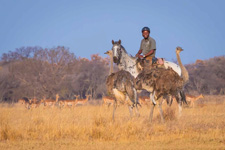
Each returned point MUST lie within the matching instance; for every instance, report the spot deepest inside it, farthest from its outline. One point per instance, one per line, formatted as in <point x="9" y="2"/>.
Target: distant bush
<point x="207" y="77"/>
<point x="34" y="71"/>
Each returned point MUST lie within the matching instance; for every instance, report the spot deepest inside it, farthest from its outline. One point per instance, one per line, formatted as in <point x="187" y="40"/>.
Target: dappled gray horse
<point x="129" y="63"/>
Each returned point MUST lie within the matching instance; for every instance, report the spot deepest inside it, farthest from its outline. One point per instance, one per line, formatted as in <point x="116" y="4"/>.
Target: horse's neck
<point x="129" y="64"/>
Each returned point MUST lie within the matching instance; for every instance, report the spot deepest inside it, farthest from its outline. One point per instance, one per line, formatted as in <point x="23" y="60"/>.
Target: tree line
<point x="37" y="72"/>
<point x="207" y="76"/>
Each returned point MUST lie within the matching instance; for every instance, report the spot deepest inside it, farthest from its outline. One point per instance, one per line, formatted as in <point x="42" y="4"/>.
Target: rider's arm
<point x="139" y="52"/>
<point x="149" y="53"/>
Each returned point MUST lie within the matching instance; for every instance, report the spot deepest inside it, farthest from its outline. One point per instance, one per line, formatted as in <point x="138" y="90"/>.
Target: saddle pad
<point x="160" y="61"/>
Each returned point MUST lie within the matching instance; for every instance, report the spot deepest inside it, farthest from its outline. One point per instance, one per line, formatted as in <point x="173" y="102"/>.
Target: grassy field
<point x="91" y="127"/>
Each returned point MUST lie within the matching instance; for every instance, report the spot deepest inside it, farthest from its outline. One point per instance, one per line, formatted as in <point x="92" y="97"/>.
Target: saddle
<point x="160" y="61"/>
<point x="154" y="60"/>
<point x="156" y="63"/>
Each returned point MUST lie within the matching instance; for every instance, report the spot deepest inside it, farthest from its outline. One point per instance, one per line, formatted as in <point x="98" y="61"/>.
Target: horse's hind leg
<point x="131" y="111"/>
<point x="161" y="111"/>
<point x="151" y="112"/>
<point x="136" y="103"/>
<point x="152" y="97"/>
<point x="114" y="109"/>
<point x="181" y="99"/>
<point x="130" y="106"/>
<point x="169" y="100"/>
<point x="137" y="111"/>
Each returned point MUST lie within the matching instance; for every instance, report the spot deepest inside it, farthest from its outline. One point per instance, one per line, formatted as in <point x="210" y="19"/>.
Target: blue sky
<point x="87" y="27"/>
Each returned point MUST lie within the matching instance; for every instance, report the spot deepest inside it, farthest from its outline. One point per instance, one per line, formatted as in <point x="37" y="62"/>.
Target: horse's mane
<point x="117" y="43"/>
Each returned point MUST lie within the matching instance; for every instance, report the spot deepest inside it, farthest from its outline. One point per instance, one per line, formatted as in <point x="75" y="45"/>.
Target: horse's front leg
<point x="130" y="110"/>
<point x="160" y="109"/>
<point x="179" y="101"/>
<point x="114" y="109"/>
<point x="136" y="103"/>
<point x="152" y="97"/>
<point x="151" y="112"/>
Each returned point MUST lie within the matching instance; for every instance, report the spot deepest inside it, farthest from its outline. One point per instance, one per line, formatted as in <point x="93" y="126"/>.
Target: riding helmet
<point x="145" y="29"/>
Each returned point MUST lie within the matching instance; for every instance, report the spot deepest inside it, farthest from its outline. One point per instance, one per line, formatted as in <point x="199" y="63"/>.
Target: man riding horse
<point x="147" y="48"/>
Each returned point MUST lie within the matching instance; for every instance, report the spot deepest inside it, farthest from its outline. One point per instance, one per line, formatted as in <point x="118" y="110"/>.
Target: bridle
<point x="119" y="53"/>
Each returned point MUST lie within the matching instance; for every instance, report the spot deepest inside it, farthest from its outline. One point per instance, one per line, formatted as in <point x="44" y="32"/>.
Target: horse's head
<point x="116" y="49"/>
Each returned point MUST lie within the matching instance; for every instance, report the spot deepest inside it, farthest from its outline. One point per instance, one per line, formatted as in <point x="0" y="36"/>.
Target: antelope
<point x="82" y="101"/>
<point x="192" y="99"/>
<point x="35" y="104"/>
<point x="51" y="102"/>
<point x="21" y="101"/>
<point x="24" y="101"/>
<point x="108" y="100"/>
<point x="61" y="103"/>
<point x="32" y="102"/>
<point x="144" y="100"/>
<point x="69" y="102"/>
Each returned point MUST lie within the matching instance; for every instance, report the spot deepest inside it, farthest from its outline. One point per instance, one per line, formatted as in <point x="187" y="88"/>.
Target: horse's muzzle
<point x="115" y="60"/>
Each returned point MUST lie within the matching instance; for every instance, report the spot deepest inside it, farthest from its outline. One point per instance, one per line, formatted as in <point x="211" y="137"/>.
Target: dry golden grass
<point x="91" y="127"/>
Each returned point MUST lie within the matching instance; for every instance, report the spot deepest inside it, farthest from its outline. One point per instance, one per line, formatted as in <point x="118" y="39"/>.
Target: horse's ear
<point x="119" y="42"/>
<point x="112" y="42"/>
